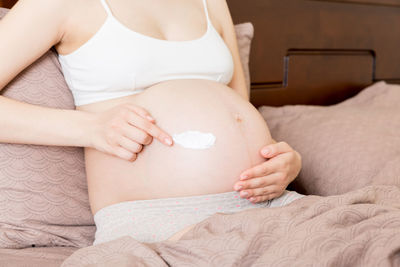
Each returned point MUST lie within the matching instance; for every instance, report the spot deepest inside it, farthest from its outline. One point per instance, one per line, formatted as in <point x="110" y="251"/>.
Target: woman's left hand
<point x="269" y="179"/>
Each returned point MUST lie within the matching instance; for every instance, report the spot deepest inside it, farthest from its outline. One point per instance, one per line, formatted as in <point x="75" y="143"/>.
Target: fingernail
<point x="265" y="151"/>
<point x="243" y="176"/>
<point x="168" y="141"/>
<point x="244" y="194"/>
<point x="252" y="199"/>
<point x="150" y="118"/>
<point x="238" y="187"/>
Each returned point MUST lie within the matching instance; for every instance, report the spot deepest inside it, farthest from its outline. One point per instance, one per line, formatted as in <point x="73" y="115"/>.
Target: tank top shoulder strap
<point x="206" y="11"/>
<point x="106" y="7"/>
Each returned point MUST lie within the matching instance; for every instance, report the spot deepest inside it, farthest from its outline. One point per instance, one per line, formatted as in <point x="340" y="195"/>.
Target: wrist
<point x="87" y="126"/>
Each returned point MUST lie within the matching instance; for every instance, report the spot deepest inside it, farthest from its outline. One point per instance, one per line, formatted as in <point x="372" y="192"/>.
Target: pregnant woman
<point x="141" y="70"/>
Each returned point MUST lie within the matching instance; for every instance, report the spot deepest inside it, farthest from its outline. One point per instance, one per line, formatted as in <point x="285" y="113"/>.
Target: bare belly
<point x="161" y="171"/>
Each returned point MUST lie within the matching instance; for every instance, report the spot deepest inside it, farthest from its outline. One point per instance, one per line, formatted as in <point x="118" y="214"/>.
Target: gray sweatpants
<point x="155" y="220"/>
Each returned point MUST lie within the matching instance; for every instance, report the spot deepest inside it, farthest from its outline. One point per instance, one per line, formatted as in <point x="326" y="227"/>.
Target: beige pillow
<point x="43" y="189"/>
<point x="244" y="36"/>
<point x="345" y="146"/>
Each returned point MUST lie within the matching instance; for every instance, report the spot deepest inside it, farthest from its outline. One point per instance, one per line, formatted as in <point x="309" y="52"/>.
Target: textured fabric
<point x="155" y="220"/>
<point x="43" y="190"/>
<point x="344" y="146"/>
<point x="117" y="61"/>
<point x="35" y="257"/>
<point x="244" y="36"/>
<point x="358" y="229"/>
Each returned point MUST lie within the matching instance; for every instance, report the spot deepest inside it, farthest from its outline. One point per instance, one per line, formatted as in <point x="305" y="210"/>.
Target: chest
<point x="164" y="20"/>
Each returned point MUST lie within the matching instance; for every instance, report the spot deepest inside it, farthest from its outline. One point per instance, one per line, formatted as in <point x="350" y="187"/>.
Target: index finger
<point x="273" y="149"/>
<point x="151" y="128"/>
<point x="141" y="111"/>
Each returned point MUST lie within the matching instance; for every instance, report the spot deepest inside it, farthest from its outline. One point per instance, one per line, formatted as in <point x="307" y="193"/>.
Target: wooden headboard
<point x="319" y="52"/>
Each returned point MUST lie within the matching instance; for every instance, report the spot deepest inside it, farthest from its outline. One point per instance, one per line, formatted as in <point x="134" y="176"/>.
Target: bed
<point x="316" y="67"/>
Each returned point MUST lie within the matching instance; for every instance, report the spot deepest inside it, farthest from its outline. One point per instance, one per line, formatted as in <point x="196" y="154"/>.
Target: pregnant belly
<point x="160" y="171"/>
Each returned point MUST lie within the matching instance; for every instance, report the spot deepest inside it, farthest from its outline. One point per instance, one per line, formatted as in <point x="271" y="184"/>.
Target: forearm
<point x="25" y="123"/>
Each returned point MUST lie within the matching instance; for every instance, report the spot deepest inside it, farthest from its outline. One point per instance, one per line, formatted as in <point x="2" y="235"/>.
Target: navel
<point x="238" y="118"/>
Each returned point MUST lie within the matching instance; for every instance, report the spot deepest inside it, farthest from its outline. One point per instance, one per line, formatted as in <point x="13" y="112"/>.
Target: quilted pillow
<point x="345" y="146"/>
<point x="43" y="189"/>
<point x="244" y="36"/>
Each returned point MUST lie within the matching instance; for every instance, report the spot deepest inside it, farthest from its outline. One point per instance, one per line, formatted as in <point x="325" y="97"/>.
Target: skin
<point x="65" y="24"/>
<point x="270" y="179"/>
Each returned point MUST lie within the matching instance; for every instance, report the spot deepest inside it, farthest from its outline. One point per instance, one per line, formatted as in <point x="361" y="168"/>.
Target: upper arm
<point x="220" y="10"/>
<point x="27" y="31"/>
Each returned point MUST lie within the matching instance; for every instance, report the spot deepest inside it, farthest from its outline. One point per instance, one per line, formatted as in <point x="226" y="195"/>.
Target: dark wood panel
<point x="368" y="2"/>
<point x="7" y="3"/>
<point x="288" y="25"/>
<point x="306" y="80"/>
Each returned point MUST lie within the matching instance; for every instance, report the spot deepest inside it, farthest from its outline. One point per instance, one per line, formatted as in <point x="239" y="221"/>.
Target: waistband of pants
<point x="155" y="220"/>
<point x="217" y="201"/>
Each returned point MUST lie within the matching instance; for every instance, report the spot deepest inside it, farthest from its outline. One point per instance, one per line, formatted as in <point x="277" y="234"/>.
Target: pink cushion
<point x="43" y="189"/>
<point x="244" y="36"/>
<point x="345" y="146"/>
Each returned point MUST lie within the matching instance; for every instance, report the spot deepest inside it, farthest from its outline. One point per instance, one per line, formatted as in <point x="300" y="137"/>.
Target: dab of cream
<point x="194" y="139"/>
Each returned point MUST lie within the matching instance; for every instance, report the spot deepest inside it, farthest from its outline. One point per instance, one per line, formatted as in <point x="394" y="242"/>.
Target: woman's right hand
<point x="124" y="129"/>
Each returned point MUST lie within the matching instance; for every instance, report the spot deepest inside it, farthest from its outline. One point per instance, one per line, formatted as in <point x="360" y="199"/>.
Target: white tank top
<point x="117" y="61"/>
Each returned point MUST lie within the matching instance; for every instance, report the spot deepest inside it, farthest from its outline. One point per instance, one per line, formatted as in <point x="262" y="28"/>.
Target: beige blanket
<point x="359" y="228"/>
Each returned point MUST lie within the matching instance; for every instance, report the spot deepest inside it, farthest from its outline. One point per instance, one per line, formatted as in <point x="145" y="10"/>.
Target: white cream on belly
<point x="194" y="139"/>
